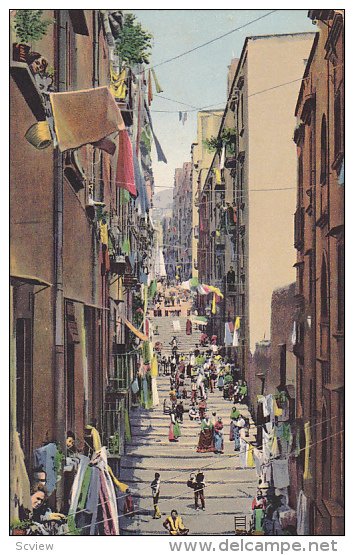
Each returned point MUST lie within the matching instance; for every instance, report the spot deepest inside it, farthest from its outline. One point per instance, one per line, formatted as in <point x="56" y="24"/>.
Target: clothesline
<point x="207" y="43"/>
<point x="183" y="493"/>
<point x="232" y="455"/>
<point x="248" y="96"/>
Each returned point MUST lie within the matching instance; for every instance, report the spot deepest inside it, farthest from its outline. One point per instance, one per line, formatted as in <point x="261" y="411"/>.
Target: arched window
<point x="324" y="291"/>
<point x="324" y="160"/>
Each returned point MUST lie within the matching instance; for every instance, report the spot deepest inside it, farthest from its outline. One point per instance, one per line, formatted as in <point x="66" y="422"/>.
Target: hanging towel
<point x="84" y="489"/>
<point x="104" y="233"/>
<point x="157" y="84"/>
<point x="217" y="173"/>
<point x="118" y="85"/>
<point x="44" y="457"/>
<point x="293" y="335"/>
<point x="154" y="391"/>
<point x="150" y="95"/>
<point x="97" y="445"/>
<point x="303" y="528"/>
<point x="222" y="159"/>
<point x="213" y="304"/>
<point x="85" y="116"/>
<point x="125" y="178"/>
<point x="228" y="336"/>
<point x="307" y="471"/>
<point x="154" y="367"/>
<point x="160" y="155"/>
<point x="250" y="458"/>
<point x="280" y="470"/>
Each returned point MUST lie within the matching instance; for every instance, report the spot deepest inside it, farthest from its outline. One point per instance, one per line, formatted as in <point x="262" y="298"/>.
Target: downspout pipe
<point x="59" y="373"/>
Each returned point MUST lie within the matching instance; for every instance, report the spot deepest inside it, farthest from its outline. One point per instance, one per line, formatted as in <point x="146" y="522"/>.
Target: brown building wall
<point x="319" y="238"/>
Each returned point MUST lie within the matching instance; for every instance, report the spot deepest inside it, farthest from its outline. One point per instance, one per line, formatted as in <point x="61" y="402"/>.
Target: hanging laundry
<point x="228" y="336"/>
<point x="104" y="232"/>
<point x="222" y="159"/>
<point x="217" y="173"/>
<point x="302" y="528"/>
<point x="184" y="117"/>
<point x="124" y="197"/>
<point x="157" y="84"/>
<point x="280" y="470"/>
<point x="250" y="458"/>
<point x="307" y="471"/>
<point x="125" y="167"/>
<point x="213" y="304"/>
<point x="96" y="116"/>
<point x="293" y="335"/>
<point x="180" y="115"/>
<point x="160" y="155"/>
<point x="126" y="246"/>
<point x="118" y="86"/>
<point x="44" y="457"/>
<point x="235" y="340"/>
<point x="150" y="95"/>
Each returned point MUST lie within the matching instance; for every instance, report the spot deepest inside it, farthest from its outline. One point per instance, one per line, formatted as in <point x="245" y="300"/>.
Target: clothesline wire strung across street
<point x="162" y="501"/>
<point x="222" y="103"/>
<point x="114" y="182"/>
<point x="208" y="42"/>
<point x="216" y="462"/>
<point x="239" y="453"/>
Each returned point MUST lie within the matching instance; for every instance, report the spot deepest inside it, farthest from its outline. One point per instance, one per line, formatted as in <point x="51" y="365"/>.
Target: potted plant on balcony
<point x="20" y="527"/>
<point x="29" y="27"/>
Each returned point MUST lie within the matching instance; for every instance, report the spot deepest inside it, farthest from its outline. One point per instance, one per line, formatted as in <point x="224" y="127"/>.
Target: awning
<point x="136" y="332"/>
<point x="29" y="279"/>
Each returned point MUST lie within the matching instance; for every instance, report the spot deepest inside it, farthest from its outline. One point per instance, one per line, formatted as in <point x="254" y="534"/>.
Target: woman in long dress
<point x="188" y="327"/>
<point x="174" y="430"/>
<point x="206" y="437"/>
<point x="219" y="436"/>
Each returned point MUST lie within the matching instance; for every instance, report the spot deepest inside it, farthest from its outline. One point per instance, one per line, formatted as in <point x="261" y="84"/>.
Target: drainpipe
<point x="59" y="374"/>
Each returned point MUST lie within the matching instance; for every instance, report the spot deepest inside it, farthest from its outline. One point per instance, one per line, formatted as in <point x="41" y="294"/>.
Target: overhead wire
<point x="178" y="56"/>
<point x="208" y="466"/>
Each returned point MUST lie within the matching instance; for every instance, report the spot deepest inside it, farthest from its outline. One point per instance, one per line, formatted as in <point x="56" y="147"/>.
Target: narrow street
<point x="229" y="487"/>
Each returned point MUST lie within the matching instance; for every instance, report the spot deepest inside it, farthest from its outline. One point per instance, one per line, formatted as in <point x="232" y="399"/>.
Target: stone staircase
<point x="229" y="487"/>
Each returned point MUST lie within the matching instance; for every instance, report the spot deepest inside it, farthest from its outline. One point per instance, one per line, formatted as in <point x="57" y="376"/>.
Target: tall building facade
<point x="80" y="240"/>
<point x="319" y="240"/>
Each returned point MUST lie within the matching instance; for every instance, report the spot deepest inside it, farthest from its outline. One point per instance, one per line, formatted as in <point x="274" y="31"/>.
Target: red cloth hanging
<point x="125" y="167"/>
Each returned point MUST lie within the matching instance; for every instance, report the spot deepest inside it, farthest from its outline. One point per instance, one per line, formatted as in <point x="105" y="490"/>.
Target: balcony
<point x="23" y="78"/>
<point x="299" y="227"/>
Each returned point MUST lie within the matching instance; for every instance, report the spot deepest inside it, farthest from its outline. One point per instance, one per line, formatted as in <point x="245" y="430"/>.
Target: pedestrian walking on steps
<point x="199" y="486"/>
<point x="174" y="430"/>
<point x="219" y="436"/>
<point x="155" y="490"/>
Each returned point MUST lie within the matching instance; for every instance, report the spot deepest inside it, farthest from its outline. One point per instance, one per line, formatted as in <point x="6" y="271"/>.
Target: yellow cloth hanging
<point x="213" y="304"/>
<point x="118" y="85"/>
<point x="104" y="233"/>
<point x="307" y="472"/>
<point x="215" y="290"/>
<point x="237" y="323"/>
<point x="96" y="440"/>
<point x="217" y="173"/>
<point x="250" y="458"/>
<point x="277" y="411"/>
<point x="275" y="448"/>
<point x="122" y="487"/>
<point x="154" y="367"/>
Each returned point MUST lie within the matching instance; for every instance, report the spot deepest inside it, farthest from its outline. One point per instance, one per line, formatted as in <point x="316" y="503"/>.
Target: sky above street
<point x="199" y="78"/>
